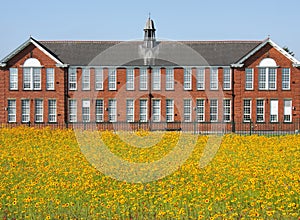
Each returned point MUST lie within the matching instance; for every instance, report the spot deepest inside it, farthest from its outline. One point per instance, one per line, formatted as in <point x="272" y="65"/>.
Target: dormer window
<point x="267" y="76"/>
<point x="32" y="74"/>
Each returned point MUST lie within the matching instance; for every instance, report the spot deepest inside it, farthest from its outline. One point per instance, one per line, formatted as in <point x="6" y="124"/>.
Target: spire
<point x="149" y="33"/>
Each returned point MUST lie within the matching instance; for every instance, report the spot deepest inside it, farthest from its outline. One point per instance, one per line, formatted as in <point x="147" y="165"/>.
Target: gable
<point x="29" y="42"/>
<point x="268" y="41"/>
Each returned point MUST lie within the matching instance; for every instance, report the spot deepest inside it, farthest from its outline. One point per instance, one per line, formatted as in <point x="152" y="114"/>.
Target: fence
<point x="204" y="128"/>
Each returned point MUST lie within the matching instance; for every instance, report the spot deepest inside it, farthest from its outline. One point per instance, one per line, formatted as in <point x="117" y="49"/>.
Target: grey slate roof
<point x="194" y="53"/>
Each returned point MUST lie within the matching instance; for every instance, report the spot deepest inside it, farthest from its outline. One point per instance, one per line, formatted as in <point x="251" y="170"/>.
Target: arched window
<point x="32" y="74"/>
<point x="267" y="76"/>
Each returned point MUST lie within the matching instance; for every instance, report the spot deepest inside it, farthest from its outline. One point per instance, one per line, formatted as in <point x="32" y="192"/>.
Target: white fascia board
<point x="237" y="65"/>
<point x="45" y="51"/>
<point x="62" y="65"/>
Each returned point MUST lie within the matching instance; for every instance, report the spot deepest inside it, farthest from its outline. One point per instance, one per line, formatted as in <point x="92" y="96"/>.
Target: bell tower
<point x="149" y="34"/>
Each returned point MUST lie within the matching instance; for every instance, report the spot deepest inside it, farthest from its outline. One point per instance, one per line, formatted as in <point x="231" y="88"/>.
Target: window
<point x="213" y="110"/>
<point x="286" y="77"/>
<point x="201" y="79"/>
<point x="130" y="110"/>
<point x="156" y="79"/>
<point x="169" y="110"/>
<point x="226" y="110"/>
<point x="99" y="110"/>
<point x="274" y="110"/>
<point x="143" y="79"/>
<point x="85" y="79"/>
<point x="12" y="110"/>
<point x="112" y="79"/>
<point x="50" y="78"/>
<point x="143" y="110"/>
<point x="187" y="79"/>
<point x="200" y="110"/>
<point x="214" y="79"/>
<point x="249" y="79"/>
<point x="156" y="110"/>
<point x="31" y="78"/>
<point x="85" y="110"/>
<point x="52" y="111"/>
<point x="247" y="110"/>
<point x="72" y="79"/>
<point x="25" y="104"/>
<point x="112" y="110"/>
<point x="226" y="79"/>
<point x="267" y="79"/>
<point x="98" y="79"/>
<point x="260" y="110"/>
<point x="187" y="110"/>
<point x="287" y="110"/>
<point x="73" y="110"/>
<point x="169" y="79"/>
<point x="130" y="79"/>
<point x="38" y="116"/>
<point x="13" y="78"/>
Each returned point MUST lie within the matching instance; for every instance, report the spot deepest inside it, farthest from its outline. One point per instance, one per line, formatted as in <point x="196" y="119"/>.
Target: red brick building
<point x="158" y="82"/>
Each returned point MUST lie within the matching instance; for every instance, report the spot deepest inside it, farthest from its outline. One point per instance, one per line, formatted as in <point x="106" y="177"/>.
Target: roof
<point x="197" y="53"/>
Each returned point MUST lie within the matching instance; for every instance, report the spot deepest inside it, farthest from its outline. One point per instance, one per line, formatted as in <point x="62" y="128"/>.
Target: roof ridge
<point x="79" y="41"/>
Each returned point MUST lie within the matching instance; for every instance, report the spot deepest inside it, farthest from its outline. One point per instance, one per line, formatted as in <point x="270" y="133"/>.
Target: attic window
<point x="32" y="62"/>
<point x="268" y="62"/>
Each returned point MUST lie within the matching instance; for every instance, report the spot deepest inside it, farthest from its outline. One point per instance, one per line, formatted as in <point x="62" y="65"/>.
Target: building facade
<point x="150" y="81"/>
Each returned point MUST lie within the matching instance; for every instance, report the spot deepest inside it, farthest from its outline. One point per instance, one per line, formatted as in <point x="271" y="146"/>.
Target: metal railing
<point x="205" y="128"/>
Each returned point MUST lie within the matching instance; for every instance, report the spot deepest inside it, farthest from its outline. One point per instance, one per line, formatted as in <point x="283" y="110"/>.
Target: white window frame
<point x="200" y="110"/>
<point x="99" y="79"/>
<point x="286" y="78"/>
<point x="38" y="110"/>
<point x="227" y="78"/>
<point x="143" y="79"/>
<point x="112" y="79"/>
<point x="169" y="79"/>
<point x="50" y="79"/>
<point x="169" y="110"/>
<point x="187" y="110"/>
<point x="249" y="78"/>
<point x="130" y="110"/>
<point x="130" y="76"/>
<point x="287" y="110"/>
<point x="99" y="109"/>
<point x="156" y="79"/>
<point x="32" y="78"/>
<point x="274" y="110"/>
<point x="86" y="79"/>
<point x="264" y="78"/>
<point x="227" y="110"/>
<point x="247" y="110"/>
<point x="213" y="110"/>
<point x="86" y="110"/>
<point x="214" y="79"/>
<point x="201" y="79"/>
<point x="72" y="110"/>
<point x="260" y="116"/>
<point x="72" y="78"/>
<point x="112" y="110"/>
<point x="25" y="106"/>
<point x="143" y="110"/>
<point x="52" y="111"/>
<point x="12" y="110"/>
<point x="13" y="78"/>
<point x="187" y="78"/>
<point x="156" y="110"/>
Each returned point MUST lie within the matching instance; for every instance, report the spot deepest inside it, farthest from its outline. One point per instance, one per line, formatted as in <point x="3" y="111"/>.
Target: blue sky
<point x="125" y="20"/>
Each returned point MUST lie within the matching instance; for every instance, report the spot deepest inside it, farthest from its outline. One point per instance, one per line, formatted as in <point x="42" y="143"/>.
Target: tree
<point x="289" y="51"/>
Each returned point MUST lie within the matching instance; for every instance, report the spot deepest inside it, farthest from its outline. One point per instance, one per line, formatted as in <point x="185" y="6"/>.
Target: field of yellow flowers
<point x="45" y="175"/>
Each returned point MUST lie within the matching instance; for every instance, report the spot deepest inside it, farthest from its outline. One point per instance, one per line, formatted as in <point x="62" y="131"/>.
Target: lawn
<point x="51" y="174"/>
